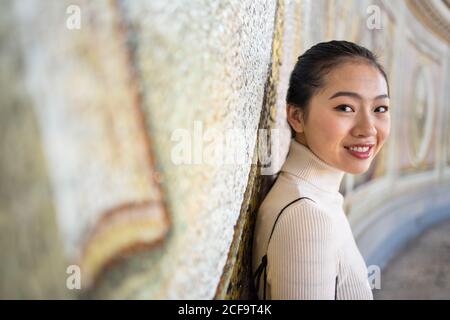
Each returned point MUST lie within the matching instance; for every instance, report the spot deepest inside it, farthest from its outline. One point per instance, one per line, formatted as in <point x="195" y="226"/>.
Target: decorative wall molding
<point x="434" y="14"/>
<point x="399" y="219"/>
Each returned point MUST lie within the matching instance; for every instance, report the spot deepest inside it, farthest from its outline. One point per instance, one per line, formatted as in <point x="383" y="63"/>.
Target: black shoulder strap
<point x="262" y="266"/>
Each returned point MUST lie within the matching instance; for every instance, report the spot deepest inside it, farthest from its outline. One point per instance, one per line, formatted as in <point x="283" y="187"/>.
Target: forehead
<point x="362" y="78"/>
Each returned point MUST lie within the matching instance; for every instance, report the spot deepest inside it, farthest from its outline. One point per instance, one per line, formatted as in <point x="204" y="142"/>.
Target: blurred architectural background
<point x="112" y="113"/>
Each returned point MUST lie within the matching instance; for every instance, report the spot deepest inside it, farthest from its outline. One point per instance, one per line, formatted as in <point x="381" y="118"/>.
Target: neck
<point x="306" y="165"/>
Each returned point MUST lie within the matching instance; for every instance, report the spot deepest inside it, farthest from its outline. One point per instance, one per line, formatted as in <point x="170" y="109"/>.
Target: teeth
<point x="359" y="149"/>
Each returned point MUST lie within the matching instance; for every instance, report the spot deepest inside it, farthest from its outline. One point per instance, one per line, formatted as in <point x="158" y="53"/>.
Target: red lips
<point x="361" y="155"/>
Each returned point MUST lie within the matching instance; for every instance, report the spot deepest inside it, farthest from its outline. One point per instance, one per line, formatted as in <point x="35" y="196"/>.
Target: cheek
<point x="332" y="129"/>
<point x="384" y="128"/>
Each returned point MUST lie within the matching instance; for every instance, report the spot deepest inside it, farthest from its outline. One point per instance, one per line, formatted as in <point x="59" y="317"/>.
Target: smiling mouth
<point x="362" y="151"/>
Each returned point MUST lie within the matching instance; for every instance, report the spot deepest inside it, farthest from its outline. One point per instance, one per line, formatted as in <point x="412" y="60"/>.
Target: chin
<point x="358" y="170"/>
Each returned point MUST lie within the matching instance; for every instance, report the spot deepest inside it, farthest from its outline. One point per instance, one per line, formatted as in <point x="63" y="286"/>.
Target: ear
<point x="295" y="118"/>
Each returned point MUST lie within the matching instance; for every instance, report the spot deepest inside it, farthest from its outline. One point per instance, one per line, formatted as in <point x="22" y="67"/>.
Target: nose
<point x="364" y="126"/>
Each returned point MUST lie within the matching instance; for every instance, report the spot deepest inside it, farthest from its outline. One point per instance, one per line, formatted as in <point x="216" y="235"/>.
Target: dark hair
<point x="311" y="67"/>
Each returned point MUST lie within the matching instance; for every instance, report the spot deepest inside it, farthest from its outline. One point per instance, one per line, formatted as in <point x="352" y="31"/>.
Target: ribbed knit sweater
<point x="312" y="242"/>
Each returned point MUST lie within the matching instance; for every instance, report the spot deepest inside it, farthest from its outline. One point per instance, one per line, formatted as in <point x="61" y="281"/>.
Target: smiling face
<point x="351" y="109"/>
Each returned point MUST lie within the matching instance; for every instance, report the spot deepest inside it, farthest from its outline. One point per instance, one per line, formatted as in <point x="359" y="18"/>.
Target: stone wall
<point x="133" y="143"/>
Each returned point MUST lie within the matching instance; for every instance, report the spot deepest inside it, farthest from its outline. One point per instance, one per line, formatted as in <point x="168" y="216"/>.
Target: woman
<point x="338" y="111"/>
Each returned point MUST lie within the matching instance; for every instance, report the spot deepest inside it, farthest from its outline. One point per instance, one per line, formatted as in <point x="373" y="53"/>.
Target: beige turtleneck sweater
<point x="312" y="242"/>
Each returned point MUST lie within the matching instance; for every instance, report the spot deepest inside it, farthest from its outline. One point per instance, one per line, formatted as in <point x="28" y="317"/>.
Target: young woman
<point x="338" y="110"/>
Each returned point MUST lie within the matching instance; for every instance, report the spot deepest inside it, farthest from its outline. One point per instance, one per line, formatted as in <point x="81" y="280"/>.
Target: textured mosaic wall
<point x="91" y="121"/>
<point x="107" y="99"/>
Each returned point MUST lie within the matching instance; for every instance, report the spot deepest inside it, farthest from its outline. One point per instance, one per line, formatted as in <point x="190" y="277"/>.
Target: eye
<point x="386" y="108"/>
<point x="344" y="107"/>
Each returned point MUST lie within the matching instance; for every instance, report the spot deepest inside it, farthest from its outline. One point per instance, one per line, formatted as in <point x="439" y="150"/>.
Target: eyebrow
<point x="355" y="95"/>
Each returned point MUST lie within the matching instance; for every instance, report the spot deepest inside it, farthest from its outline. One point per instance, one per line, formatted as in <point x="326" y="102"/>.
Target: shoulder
<point x="307" y="219"/>
<point x="306" y="208"/>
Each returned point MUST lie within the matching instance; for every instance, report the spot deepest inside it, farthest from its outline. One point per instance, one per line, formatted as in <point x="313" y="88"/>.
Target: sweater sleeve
<point x="302" y="258"/>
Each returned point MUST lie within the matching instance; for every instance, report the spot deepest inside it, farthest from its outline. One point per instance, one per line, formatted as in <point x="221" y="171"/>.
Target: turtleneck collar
<point x="303" y="163"/>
